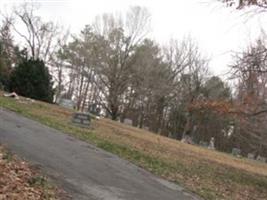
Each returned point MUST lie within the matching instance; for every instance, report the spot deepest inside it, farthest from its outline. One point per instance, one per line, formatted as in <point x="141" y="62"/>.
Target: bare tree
<point x="248" y="110"/>
<point x="240" y="4"/>
<point x="118" y="40"/>
<point x="190" y="69"/>
<point x="252" y="91"/>
<point x="40" y="37"/>
<point x="58" y="66"/>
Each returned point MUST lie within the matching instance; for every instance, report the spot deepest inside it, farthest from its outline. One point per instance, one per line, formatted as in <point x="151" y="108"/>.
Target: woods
<point x="115" y="65"/>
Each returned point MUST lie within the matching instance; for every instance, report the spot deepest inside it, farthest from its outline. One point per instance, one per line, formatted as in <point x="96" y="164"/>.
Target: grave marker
<point x="251" y="156"/>
<point x="261" y="159"/>
<point x="204" y="144"/>
<point x="212" y="144"/>
<point x="81" y="119"/>
<point x="67" y="103"/>
<point x="236" y="152"/>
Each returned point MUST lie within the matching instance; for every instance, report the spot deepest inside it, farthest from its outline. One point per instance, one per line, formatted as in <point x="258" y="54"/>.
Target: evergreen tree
<point x="31" y="78"/>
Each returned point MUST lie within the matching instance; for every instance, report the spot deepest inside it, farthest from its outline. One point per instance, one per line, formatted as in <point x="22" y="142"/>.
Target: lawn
<point x="210" y="174"/>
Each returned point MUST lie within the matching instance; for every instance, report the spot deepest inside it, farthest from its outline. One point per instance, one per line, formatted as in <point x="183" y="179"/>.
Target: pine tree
<point x="31" y="78"/>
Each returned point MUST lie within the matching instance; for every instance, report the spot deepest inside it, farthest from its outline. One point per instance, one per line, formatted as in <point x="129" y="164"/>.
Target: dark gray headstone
<point x="81" y="119"/>
<point x="261" y="159"/>
<point x="251" y="156"/>
<point x="204" y="144"/>
<point x="94" y="109"/>
<point x="236" y="152"/>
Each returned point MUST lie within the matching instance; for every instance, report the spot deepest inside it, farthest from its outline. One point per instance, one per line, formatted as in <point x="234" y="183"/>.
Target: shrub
<point x="31" y="78"/>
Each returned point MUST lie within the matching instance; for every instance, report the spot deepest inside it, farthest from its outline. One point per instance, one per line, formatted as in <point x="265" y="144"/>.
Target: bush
<point x="31" y="78"/>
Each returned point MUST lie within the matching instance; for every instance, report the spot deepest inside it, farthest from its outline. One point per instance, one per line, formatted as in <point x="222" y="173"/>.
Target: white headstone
<point x="212" y="143"/>
<point x="128" y="121"/>
<point x="67" y="103"/>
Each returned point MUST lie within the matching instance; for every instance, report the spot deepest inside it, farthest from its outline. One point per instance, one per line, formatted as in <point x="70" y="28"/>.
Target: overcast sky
<point x="218" y="31"/>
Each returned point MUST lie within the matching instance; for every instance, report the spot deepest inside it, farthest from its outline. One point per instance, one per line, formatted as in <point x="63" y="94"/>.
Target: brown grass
<point x="169" y="148"/>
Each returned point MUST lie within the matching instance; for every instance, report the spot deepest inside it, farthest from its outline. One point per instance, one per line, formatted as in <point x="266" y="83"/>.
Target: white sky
<point x="218" y="31"/>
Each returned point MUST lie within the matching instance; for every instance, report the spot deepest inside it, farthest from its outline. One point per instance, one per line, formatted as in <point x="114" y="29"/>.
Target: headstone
<point x="81" y="119"/>
<point x="204" y="144"/>
<point x="236" y="152"/>
<point x="212" y="143"/>
<point x="187" y="139"/>
<point x="261" y="159"/>
<point x="128" y="121"/>
<point x="146" y="128"/>
<point x="94" y="109"/>
<point x="251" y="156"/>
<point x="67" y="103"/>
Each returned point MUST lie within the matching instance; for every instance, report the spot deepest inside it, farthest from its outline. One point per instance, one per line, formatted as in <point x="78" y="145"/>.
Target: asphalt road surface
<point x="82" y="170"/>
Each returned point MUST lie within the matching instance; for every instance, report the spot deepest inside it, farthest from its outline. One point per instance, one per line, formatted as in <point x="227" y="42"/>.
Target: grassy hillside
<point x="210" y="174"/>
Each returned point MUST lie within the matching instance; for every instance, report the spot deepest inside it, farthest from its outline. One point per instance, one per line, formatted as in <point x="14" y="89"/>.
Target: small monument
<point x="81" y="119"/>
<point x="95" y="109"/>
<point x="212" y="143"/>
<point x="187" y="139"/>
<point x="236" y="152"/>
<point x="261" y="159"/>
<point x="204" y="144"/>
<point x="128" y="121"/>
<point x="251" y="156"/>
<point x="67" y="103"/>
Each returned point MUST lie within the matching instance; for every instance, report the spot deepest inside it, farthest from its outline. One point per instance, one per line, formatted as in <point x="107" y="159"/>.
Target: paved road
<point x="81" y="169"/>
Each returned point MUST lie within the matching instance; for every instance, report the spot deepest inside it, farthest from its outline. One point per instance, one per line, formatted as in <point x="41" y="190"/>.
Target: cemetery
<point x="144" y="100"/>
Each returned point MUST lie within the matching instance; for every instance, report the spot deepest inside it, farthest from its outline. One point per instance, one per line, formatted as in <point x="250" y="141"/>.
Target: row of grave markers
<point x="235" y="151"/>
<point x="252" y="156"/>
<point x="84" y="119"/>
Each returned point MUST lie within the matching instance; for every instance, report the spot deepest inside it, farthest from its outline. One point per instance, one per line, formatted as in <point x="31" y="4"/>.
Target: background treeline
<point x="112" y="63"/>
